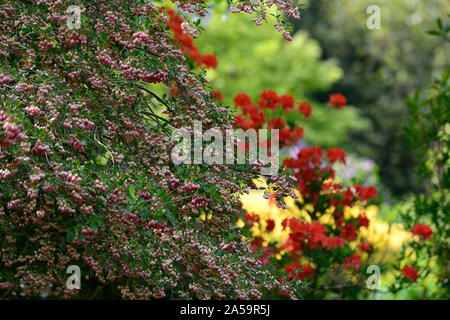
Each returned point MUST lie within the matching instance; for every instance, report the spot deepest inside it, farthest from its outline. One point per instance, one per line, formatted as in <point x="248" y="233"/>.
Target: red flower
<point x="366" y="193"/>
<point x="218" y="95"/>
<point x="285" y="136"/>
<point x="336" y="154"/>
<point x="422" y="230"/>
<point x="305" y="108"/>
<point x="334" y="243"/>
<point x="353" y="261"/>
<point x="240" y="122"/>
<point x="309" y="155"/>
<point x="349" y="232"/>
<point x="270" y="225"/>
<point x="363" y="221"/>
<point x="285" y="223"/>
<point x="209" y="61"/>
<point x="337" y="100"/>
<point x="291" y="245"/>
<point x="256" y="243"/>
<point x="287" y="101"/>
<point x="306" y="271"/>
<point x="250" y="218"/>
<point x="295" y="135"/>
<point x="249" y="109"/>
<point x="277" y="123"/>
<point x="242" y="100"/>
<point x="410" y="273"/>
<point x="195" y="54"/>
<point x="268" y="99"/>
<point x="258" y="118"/>
<point x="291" y="270"/>
<point x="365" y="246"/>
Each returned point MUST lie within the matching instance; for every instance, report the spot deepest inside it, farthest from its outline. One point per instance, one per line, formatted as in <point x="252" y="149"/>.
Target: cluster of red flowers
<point x="336" y="154"/>
<point x="298" y="271"/>
<point x="253" y="115"/>
<point x="314" y="174"/>
<point x="422" y="230"/>
<point x="187" y="43"/>
<point x="353" y="261"/>
<point x="305" y="108"/>
<point x="251" y="218"/>
<point x="312" y="235"/>
<point x="410" y="273"/>
<point x="337" y="100"/>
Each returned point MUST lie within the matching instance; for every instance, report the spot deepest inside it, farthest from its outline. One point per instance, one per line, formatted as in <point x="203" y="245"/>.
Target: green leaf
<point x="433" y="33"/>
<point x="70" y="236"/>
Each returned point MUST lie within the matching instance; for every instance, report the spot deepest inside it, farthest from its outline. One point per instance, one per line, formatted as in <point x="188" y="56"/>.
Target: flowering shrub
<point x="323" y="245"/>
<point x="85" y="172"/>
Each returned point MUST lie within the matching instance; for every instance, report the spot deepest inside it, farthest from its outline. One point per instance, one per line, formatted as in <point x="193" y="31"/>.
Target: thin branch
<point x="156" y="97"/>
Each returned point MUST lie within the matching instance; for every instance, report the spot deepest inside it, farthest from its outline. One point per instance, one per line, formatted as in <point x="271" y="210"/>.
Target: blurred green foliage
<point x="428" y="131"/>
<point x="256" y="58"/>
<point x="381" y="68"/>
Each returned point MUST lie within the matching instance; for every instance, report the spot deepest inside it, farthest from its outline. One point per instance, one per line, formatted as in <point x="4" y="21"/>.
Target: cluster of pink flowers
<point x="10" y="132"/>
<point x="140" y="37"/>
<point x="289" y="7"/>
<point x="5" y="79"/>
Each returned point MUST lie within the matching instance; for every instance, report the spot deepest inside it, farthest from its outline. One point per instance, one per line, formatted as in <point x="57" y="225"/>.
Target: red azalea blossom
<point x="242" y="100"/>
<point x="422" y="230"/>
<point x="366" y="193"/>
<point x="291" y="246"/>
<point x="349" y="232"/>
<point x="336" y="154"/>
<point x="249" y="109"/>
<point x="218" y="95"/>
<point x="256" y="243"/>
<point x="268" y="99"/>
<point x="305" y="108"/>
<point x="310" y="155"/>
<point x="250" y="218"/>
<point x="306" y="271"/>
<point x="287" y="101"/>
<point x="311" y="234"/>
<point x="240" y="122"/>
<point x="210" y="61"/>
<point x="410" y="273"/>
<point x="337" y="100"/>
<point x="335" y="242"/>
<point x="187" y="45"/>
<point x="258" y="119"/>
<point x="270" y="225"/>
<point x="353" y="261"/>
<point x="277" y="123"/>
<point x="293" y="136"/>
<point x="363" y="221"/>
<point x="365" y="246"/>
